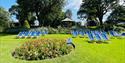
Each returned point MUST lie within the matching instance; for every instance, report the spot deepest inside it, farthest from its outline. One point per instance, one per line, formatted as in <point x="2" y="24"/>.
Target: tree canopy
<point x="45" y="10"/>
<point x="68" y="14"/>
<point x="4" y="19"/>
<point x="96" y="9"/>
<point x="118" y="14"/>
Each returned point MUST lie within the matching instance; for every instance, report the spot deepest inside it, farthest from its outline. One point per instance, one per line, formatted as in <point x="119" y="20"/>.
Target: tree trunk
<point x="21" y="22"/>
<point x="100" y="19"/>
<point x="101" y="22"/>
<point x="38" y="18"/>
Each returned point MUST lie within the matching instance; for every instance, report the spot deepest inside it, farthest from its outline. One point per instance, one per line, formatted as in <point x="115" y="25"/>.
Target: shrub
<point x="42" y="49"/>
<point x="14" y="30"/>
<point x="119" y="29"/>
<point x="52" y="30"/>
<point x="26" y="24"/>
<point x="4" y="19"/>
<point x="63" y="30"/>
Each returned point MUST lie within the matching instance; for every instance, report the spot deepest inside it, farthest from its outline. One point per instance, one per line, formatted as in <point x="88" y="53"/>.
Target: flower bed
<point x="42" y="49"/>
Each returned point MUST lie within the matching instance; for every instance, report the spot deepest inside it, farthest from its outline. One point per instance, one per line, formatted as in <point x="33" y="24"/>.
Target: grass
<point x="83" y="53"/>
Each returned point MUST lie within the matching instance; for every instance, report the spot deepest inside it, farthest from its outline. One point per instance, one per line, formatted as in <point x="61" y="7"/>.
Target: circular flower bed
<point x="42" y="49"/>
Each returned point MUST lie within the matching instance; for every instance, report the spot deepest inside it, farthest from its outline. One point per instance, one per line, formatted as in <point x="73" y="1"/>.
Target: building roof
<point x="67" y="20"/>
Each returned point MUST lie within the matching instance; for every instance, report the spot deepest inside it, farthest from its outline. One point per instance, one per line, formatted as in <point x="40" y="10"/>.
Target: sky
<point x="73" y="5"/>
<point x="7" y="3"/>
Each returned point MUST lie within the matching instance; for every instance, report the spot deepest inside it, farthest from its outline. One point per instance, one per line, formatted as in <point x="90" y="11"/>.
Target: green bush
<point x="52" y="30"/>
<point x="4" y="19"/>
<point x="119" y="29"/>
<point x="26" y="24"/>
<point x="59" y="30"/>
<point x="63" y="30"/>
<point x="42" y="49"/>
<point x="14" y="30"/>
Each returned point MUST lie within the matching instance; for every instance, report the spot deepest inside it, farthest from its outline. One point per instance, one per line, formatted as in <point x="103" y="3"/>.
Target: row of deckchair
<point x="116" y="34"/>
<point x="123" y="34"/>
<point x="69" y="42"/>
<point x="75" y="33"/>
<point x="97" y="36"/>
<point x="92" y="35"/>
<point x="30" y="34"/>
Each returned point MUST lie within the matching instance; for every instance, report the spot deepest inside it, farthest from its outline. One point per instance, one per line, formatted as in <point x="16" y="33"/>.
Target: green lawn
<point x="83" y="53"/>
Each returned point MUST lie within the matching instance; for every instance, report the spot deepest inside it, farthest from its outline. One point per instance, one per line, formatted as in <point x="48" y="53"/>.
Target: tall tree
<point x="4" y="19"/>
<point x="96" y="9"/>
<point x="68" y="14"/>
<point x="20" y="14"/>
<point x="118" y="14"/>
<point x="42" y="8"/>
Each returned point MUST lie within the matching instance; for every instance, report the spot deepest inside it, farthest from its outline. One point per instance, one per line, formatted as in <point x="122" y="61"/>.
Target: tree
<point x="14" y="10"/>
<point x="44" y="9"/>
<point x="118" y="14"/>
<point x="4" y="19"/>
<point x="68" y="14"/>
<point x="20" y="14"/>
<point x="96" y="9"/>
<point x="26" y="24"/>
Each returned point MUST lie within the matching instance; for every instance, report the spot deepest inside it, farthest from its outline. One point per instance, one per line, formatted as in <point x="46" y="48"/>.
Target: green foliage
<point x="47" y="11"/>
<point x="20" y="14"/>
<point x="14" y="30"/>
<point x="96" y="9"/>
<point x="118" y="15"/>
<point x="59" y="30"/>
<point x="26" y="24"/>
<point x="51" y="30"/>
<point x="68" y="14"/>
<point x="63" y="30"/>
<point x="42" y="49"/>
<point x="53" y="19"/>
<point x="119" y="29"/>
<point x="4" y="19"/>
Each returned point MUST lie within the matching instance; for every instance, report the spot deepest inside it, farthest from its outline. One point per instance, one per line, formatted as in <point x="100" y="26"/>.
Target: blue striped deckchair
<point x="111" y="33"/>
<point x="74" y="33"/>
<point x="26" y="34"/>
<point x="81" y="34"/>
<point x="43" y="33"/>
<point x="32" y="34"/>
<point x="123" y="34"/>
<point x="38" y="33"/>
<point x="20" y="35"/>
<point x="104" y="36"/>
<point x="69" y="42"/>
<point x="97" y="36"/>
<point x="93" y="33"/>
<point x="90" y="36"/>
<point x="114" y="33"/>
<point x="46" y="32"/>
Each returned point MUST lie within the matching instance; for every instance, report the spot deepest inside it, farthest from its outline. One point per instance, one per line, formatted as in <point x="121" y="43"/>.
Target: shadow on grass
<point x="6" y="34"/>
<point x="98" y="42"/>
